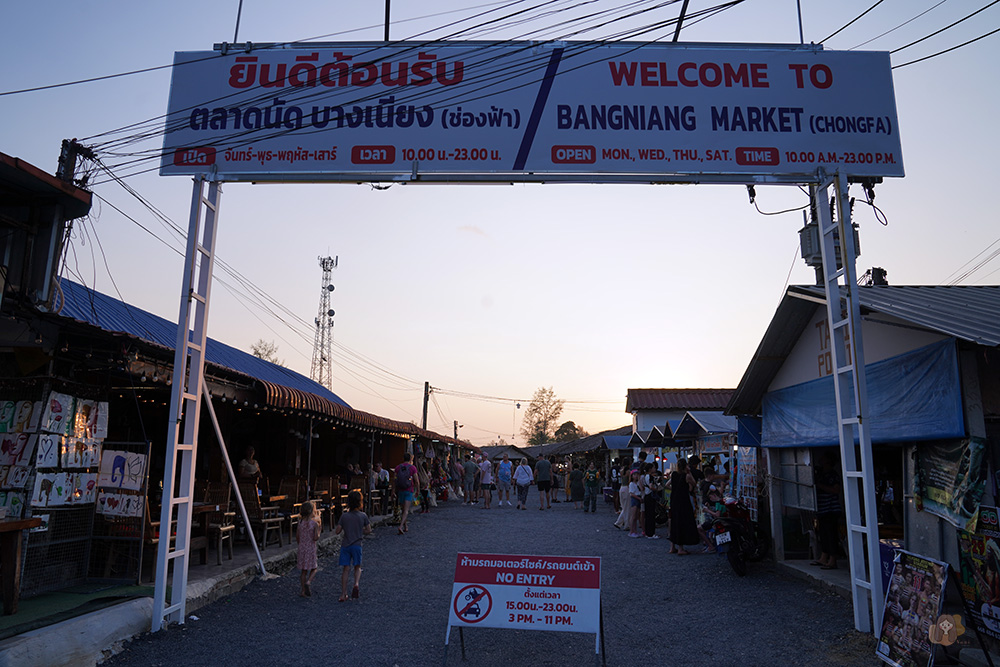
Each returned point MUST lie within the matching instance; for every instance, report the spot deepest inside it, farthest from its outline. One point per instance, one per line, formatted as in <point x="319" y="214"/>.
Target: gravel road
<point x="659" y="609"/>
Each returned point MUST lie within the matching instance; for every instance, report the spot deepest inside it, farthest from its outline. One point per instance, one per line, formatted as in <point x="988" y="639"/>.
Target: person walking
<point x="486" y="481"/>
<point x="653" y="489"/>
<point x="616" y="485"/>
<point x="623" y="501"/>
<point x="505" y="471"/>
<point x="543" y="478"/>
<point x="683" y="528"/>
<point x="576" y="486"/>
<point x="469" y="480"/>
<point x="407" y="484"/>
<point x="523" y="477"/>
<point x="635" y="503"/>
<point x="591" y="487"/>
<point x="353" y="525"/>
<point x="306" y="537"/>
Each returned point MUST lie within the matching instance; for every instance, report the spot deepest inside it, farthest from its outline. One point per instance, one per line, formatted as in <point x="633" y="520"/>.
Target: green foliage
<point x="539" y="423"/>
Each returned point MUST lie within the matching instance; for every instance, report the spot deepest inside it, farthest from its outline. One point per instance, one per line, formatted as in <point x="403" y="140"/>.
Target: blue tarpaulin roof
<point x="86" y="305"/>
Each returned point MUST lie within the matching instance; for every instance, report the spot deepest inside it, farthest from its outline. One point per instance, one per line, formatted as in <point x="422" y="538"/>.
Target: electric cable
<point x="951" y="25"/>
<point x="851" y="22"/>
<point x="941" y="53"/>
<point x="891" y="30"/>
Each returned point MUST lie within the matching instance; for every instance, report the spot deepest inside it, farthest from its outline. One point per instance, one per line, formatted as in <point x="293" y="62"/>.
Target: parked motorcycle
<point x="739" y="537"/>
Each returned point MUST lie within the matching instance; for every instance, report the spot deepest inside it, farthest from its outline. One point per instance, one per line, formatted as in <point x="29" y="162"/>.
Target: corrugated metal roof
<point x="283" y="388"/>
<point x="91" y="307"/>
<point x="677" y="399"/>
<point x="967" y="312"/>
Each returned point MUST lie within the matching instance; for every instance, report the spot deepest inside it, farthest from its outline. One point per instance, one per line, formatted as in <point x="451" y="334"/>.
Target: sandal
<point x="356" y="593"/>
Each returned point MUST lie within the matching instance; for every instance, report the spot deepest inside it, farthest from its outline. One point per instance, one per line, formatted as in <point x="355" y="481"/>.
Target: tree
<point x="569" y="431"/>
<point x="266" y="350"/>
<point x="539" y="423"/>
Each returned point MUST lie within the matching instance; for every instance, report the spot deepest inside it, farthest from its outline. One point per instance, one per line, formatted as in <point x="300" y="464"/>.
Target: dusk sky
<point x="497" y="290"/>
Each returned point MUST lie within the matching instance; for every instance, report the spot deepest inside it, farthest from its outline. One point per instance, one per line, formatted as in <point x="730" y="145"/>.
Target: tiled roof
<point x="677" y="399"/>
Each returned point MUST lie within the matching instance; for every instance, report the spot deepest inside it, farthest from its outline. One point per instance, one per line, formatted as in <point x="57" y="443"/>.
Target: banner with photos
<point x="951" y="478"/>
<point x="912" y="606"/>
<point x="979" y="564"/>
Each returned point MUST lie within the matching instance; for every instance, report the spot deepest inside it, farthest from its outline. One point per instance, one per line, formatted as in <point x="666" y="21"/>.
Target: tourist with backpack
<point x="407" y="485"/>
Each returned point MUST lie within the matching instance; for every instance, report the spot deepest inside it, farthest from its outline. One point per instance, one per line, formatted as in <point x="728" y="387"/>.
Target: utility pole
<point x="427" y="396"/>
<point x="322" y="360"/>
<point x="387" y="3"/>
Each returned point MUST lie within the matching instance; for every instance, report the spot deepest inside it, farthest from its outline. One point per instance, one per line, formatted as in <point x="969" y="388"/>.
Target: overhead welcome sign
<point x="517" y="111"/>
<point x="557" y="593"/>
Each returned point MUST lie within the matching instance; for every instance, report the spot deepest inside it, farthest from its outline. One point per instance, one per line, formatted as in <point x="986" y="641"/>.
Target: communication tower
<point x="322" y="360"/>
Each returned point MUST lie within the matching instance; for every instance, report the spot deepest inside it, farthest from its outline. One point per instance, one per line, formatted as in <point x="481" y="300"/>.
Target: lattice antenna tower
<point x="322" y="359"/>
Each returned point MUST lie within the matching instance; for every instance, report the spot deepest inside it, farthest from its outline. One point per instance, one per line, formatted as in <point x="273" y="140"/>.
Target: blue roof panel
<point x="100" y="310"/>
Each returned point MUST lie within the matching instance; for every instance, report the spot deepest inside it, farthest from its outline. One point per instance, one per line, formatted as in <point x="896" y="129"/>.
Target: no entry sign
<point x="560" y="593"/>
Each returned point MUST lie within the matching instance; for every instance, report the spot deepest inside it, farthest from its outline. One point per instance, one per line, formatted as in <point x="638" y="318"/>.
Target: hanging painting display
<point x="58" y="414"/>
<point x="48" y="451"/>
<point x="120" y="503"/>
<point x="122" y="470"/>
<point x="79" y="452"/>
<point x="17" y="448"/>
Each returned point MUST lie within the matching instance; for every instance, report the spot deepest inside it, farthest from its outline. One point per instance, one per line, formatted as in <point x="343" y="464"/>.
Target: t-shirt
<point x="543" y="470"/>
<point x="503" y="471"/>
<point x="633" y="489"/>
<point x="522" y="475"/>
<point x="487" y="469"/>
<point x="590" y="477"/>
<point x="413" y="474"/>
<point x="353" y="524"/>
<point x="470" y="471"/>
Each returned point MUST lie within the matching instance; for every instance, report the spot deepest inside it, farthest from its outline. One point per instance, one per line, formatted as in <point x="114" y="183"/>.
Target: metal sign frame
<point x="843" y="308"/>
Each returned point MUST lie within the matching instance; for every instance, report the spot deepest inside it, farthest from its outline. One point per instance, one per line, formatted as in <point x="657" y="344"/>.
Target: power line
<point x="858" y="46"/>
<point x="952" y="25"/>
<point x="851" y="22"/>
<point x="941" y="53"/>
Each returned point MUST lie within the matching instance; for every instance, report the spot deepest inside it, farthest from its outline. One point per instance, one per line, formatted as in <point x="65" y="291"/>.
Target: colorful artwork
<point x="24" y="414"/>
<point x="58" y="415"/>
<point x="13" y="448"/>
<point x="119" y="503"/>
<point x="82" y="488"/>
<point x="99" y="421"/>
<point x="14" y="502"/>
<point x="79" y="452"/>
<point x="44" y="526"/>
<point x="7" y="413"/>
<point x="912" y="606"/>
<point x="52" y="489"/>
<point x="16" y="477"/>
<point x="48" y="451"/>
<point x="122" y="470"/>
<point x="746" y="479"/>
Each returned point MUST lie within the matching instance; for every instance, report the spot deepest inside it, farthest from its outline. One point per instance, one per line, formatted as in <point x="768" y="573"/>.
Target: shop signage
<point x="556" y="593"/>
<point x="522" y="111"/>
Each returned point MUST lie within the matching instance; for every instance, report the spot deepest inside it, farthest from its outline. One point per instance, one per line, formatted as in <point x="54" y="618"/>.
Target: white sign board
<point x="516" y="111"/>
<point x="560" y="593"/>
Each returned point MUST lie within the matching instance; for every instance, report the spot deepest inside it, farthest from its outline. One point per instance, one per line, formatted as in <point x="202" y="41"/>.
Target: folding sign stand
<point x="599" y="640"/>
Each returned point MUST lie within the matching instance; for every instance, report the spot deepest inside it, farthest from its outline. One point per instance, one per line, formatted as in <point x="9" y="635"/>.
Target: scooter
<point x="739" y="537"/>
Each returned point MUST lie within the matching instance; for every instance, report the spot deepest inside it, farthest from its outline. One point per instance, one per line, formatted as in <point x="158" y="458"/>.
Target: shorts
<point x="350" y="555"/>
<point x="405" y="496"/>
<point x="544" y="485"/>
<point x="635" y="502"/>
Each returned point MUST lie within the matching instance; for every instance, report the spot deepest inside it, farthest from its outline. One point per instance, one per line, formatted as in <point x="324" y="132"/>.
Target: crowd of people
<point x="689" y="499"/>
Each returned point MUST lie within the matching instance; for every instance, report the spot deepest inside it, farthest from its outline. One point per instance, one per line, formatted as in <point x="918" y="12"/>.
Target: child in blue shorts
<point x="353" y="525"/>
